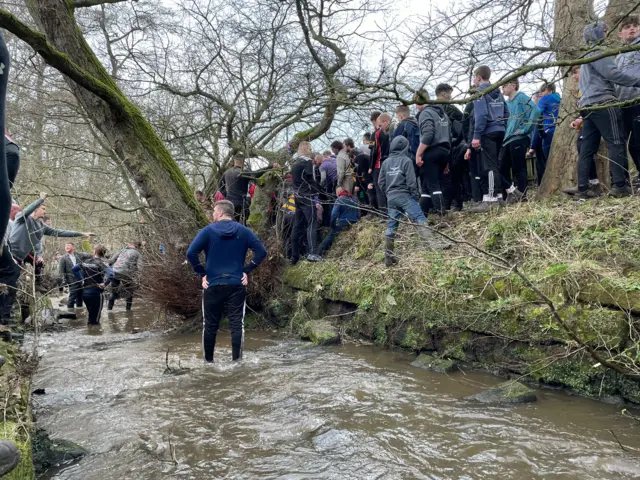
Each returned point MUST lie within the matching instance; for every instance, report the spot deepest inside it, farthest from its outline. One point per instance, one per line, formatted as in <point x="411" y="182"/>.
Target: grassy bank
<point x="16" y="423"/>
<point x="467" y="305"/>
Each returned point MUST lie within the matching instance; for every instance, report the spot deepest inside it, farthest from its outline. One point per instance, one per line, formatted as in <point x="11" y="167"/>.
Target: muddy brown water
<point x="295" y="411"/>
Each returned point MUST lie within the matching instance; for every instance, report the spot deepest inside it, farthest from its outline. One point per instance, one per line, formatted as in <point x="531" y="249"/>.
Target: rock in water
<point x="507" y="392"/>
<point x="435" y="364"/>
<point x="320" y="333"/>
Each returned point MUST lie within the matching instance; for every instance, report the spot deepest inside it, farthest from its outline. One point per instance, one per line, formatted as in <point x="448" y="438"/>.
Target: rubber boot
<point x="389" y="258"/>
<point x="112" y="301"/>
<point x="432" y="240"/>
<point x="9" y="456"/>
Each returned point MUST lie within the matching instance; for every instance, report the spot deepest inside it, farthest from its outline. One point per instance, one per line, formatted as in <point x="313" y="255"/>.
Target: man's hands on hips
<point x="245" y="281"/>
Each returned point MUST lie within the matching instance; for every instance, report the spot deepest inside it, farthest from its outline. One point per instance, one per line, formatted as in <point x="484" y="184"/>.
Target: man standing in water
<point x="225" y="276"/>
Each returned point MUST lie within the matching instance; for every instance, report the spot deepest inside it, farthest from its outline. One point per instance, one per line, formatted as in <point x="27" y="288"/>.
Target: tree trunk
<point x="571" y="16"/>
<point x="130" y="135"/>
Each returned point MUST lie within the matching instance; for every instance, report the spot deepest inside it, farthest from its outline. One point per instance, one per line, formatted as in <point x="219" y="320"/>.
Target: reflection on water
<point x="293" y="411"/>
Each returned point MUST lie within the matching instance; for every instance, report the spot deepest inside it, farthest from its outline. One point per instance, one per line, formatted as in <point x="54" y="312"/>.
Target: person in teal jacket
<point x="522" y="122"/>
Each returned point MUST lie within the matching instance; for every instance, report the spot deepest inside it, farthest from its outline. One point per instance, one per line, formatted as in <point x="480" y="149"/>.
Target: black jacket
<point x="379" y="148"/>
<point x="236" y="183"/>
<point x="362" y="169"/>
<point x="94" y="273"/>
<point x="468" y="123"/>
<point x="304" y="184"/>
<point x="65" y="267"/>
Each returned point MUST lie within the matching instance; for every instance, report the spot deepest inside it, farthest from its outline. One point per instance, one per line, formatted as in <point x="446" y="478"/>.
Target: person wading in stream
<point x="95" y="274"/>
<point x="225" y="276"/>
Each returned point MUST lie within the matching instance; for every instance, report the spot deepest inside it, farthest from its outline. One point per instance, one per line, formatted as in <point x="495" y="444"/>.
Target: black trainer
<point x="620" y="192"/>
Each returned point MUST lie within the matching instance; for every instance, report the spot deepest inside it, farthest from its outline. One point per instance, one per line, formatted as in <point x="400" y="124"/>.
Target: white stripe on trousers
<point x="491" y="183"/>
<point x="100" y="309"/>
<point x="203" y="324"/>
<point x="244" y="309"/>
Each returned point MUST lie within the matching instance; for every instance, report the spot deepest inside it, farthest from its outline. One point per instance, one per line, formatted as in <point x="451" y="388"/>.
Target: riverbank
<point x="16" y="422"/>
<point x="465" y="305"/>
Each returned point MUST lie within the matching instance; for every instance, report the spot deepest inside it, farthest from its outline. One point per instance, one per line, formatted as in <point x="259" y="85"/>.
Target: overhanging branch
<point x="58" y="60"/>
<point x="94" y="3"/>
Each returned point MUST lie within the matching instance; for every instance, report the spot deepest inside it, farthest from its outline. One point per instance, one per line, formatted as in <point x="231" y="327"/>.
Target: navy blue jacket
<point x="225" y="245"/>
<point x="490" y="112"/>
<point x="345" y="211"/>
<point x="410" y="130"/>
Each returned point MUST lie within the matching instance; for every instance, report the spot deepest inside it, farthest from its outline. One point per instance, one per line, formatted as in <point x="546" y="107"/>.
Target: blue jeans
<point x="328" y="241"/>
<point x="400" y="206"/>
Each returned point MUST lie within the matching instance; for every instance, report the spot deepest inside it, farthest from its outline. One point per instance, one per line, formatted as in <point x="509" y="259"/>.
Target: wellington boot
<point x="389" y="257"/>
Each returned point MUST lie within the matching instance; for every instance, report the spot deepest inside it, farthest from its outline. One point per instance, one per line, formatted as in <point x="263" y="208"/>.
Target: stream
<point x="291" y="410"/>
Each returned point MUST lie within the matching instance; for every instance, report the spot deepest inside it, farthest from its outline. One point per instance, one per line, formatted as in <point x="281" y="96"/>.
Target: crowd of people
<point x="431" y="162"/>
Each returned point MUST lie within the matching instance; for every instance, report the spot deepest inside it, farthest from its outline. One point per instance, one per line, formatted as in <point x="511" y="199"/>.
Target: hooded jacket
<point x="523" y="117"/>
<point x="225" y="245"/>
<point x="598" y="80"/>
<point x="236" y="182"/>
<point x="27" y="232"/>
<point x="629" y="63"/>
<point x="94" y="272"/>
<point x="409" y="129"/>
<point x="490" y="112"/>
<point x="397" y="175"/>
<point x="304" y="183"/>
<point x="126" y="262"/>
<point x="549" y="107"/>
<point x="435" y="129"/>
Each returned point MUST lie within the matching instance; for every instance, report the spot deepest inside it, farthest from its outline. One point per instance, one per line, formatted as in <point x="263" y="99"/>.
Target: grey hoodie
<point x="435" y="128"/>
<point x="397" y="176"/>
<point x="598" y="79"/>
<point x="629" y="63"/>
<point x="27" y="232"/>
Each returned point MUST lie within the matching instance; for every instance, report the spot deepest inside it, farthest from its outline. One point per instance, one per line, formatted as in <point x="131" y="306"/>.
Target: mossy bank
<point x="16" y="423"/>
<point x="465" y="305"/>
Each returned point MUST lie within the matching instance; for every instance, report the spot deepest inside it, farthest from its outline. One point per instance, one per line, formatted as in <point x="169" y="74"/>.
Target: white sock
<point x="594" y="182"/>
<point x="511" y="189"/>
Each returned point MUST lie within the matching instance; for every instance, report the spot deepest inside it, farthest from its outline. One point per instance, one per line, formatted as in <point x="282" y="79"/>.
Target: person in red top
<point x="379" y="153"/>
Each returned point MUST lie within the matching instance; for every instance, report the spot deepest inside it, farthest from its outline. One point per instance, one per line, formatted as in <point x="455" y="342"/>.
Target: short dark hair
<point x="367" y="135"/>
<point x="69" y="243"/>
<point x="337" y="145"/>
<point x="403" y="110"/>
<point x="100" y="251"/>
<point x="226" y="206"/>
<point x="374" y="115"/>
<point x="199" y="192"/>
<point x="515" y="82"/>
<point x="629" y="20"/>
<point x="548" y="86"/>
<point x="348" y="142"/>
<point x="483" y="71"/>
<point x="443" y="87"/>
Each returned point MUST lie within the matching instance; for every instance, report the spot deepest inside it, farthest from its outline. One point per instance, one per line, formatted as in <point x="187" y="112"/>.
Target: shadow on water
<point x="293" y="411"/>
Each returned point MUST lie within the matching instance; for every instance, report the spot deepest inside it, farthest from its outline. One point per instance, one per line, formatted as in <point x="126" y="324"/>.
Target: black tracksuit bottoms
<point x="435" y="160"/>
<point x="605" y="123"/>
<point x="215" y="301"/>
<point x="305" y="222"/>
<point x="631" y="119"/>
<point x="513" y="160"/>
<point x="491" y="144"/>
<point x="94" y="303"/>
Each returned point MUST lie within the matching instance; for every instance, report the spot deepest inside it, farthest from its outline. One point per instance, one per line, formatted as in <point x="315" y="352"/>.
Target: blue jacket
<point x="345" y="211"/>
<point x="225" y="245"/>
<point x="523" y="117"/>
<point x="490" y="112"/>
<point x="409" y="129"/>
<point x="549" y="106"/>
<point x="598" y="80"/>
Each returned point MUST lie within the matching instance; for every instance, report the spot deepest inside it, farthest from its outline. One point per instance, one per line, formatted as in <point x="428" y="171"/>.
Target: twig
<point x="616" y="437"/>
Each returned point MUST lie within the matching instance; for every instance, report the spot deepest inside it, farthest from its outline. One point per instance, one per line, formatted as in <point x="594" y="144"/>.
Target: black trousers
<point x="593" y="171"/>
<point x="241" y="213"/>
<point x="606" y="123"/>
<point x="75" y="294"/>
<point x="378" y="197"/>
<point x="631" y="119"/>
<point x="122" y="287"/>
<point x="305" y="222"/>
<point x="94" y="305"/>
<point x="491" y="144"/>
<point x="13" y="162"/>
<point x="5" y="193"/>
<point x="513" y="163"/>
<point x="435" y="160"/>
<point x="216" y="300"/>
<point x="9" y="275"/>
<point x="475" y="173"/>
